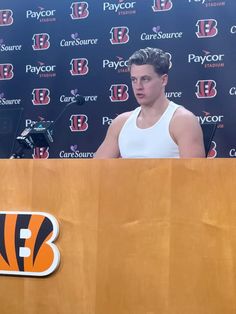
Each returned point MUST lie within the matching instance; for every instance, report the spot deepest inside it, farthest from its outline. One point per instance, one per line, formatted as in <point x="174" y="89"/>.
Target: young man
<point x="158" y="128"/>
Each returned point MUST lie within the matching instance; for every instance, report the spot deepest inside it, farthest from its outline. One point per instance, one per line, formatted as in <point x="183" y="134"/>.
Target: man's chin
<point x="142" y="102"/>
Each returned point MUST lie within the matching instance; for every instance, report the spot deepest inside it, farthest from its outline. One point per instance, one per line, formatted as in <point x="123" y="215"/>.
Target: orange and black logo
<point x="26" y="243"/>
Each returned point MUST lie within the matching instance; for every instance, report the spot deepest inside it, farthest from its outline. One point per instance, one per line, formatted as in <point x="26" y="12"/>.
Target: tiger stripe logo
<point x="26" y="243"/>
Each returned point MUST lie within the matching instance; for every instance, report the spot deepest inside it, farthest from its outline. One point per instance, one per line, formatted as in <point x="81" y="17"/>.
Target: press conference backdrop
<point x="53" y="50"/>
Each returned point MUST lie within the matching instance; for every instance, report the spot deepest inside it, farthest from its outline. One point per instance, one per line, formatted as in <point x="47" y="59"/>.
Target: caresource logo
<point x="26" y="244"/>
<point x="175" y="94"/>
<point x="6" y="17"/>
<point x="233" y="29"/>
<point x="6" y="71"/>
<point x="79" y="66"/>
<point x="77" y="41"/>
<point x="232" y="91"/>
<point x="41" y="15"/>
<point x="78" y="123"/>
<point x="119" y="35"/>
<point x="206" y="28"/>
<point x="74" y="93"/>
<point x="41" y="153"/>
<point x="41" y="96"/>
<point x="158" y="34"/>
<point x="232" y="152"/>
<point x="75" y="153"/>
<point x="79" y="10"/>
<point x="41" y="41"/>
<point x="8" y="48"/>
<point x="162" y="5"/>
<point x="119" y="92"/>
<point x="5" y="101"/>
<point x="206" y="89"/>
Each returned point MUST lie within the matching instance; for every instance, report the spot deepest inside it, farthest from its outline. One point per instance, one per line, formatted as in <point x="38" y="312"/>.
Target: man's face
<point x="147" y="85"/>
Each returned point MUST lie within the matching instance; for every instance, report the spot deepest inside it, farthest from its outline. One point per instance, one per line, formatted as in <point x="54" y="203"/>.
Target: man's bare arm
<point x="109" y="147"/>
<point x="188" y="135"/>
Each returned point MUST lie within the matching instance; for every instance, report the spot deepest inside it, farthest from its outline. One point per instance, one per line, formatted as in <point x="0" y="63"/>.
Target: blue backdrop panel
<point x="51" y="51"/>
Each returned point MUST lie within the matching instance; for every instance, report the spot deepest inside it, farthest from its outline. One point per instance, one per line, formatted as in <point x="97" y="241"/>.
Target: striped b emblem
<point x="26" y="243"/>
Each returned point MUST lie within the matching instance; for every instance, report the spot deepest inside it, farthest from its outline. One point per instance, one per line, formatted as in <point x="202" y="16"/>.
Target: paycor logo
<point x="120" y="65"/>
<point x="41" y="69"/>
<point x="208" y="57"/>
<point x="40" y="14"/>
<point x="121" y="5"/>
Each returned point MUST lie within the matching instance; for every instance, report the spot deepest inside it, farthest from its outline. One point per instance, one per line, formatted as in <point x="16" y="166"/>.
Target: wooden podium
<point x="136" y="236"/>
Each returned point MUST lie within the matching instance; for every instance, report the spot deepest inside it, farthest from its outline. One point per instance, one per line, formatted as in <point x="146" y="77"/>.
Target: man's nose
<point x="139" y="84"/>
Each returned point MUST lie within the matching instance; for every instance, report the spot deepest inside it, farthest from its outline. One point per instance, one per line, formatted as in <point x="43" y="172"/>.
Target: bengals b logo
<point x="26" y="243"/>
<point x="206" y="89"/>
<point x="213" y="152"/>
<point x="78" y="123"/>
<point x="170" y="58"/>
<point x="206" y="28"/>
<point x="6" y="71"/>
<point x="41" y="96"/>
<point x="162" y="5"/>
<point x="119" y="92"/>
<point x="6" y="17"/>
<point x="79" y="66"/>
<point x="119" y="35"/>
<point x="41" y="41"/>
<point x="79" y="10"/>
<point x="41" y="153"/>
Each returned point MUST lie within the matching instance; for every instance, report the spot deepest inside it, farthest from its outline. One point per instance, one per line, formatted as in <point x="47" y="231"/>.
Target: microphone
<point x="79" y="101"/>
<point x="40" y="133"/>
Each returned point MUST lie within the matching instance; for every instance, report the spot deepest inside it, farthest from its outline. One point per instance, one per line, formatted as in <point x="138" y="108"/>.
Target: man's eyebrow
<point x="143" y="76"/>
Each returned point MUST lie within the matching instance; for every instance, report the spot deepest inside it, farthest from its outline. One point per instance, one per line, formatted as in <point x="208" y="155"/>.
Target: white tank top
<point x="153" y="142"/>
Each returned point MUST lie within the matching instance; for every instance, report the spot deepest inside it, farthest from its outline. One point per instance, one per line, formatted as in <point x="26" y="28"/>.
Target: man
<point x="158" y="128"/>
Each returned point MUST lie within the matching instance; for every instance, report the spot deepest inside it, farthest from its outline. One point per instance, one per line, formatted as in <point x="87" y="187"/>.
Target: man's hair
<point x="153" y="56"/>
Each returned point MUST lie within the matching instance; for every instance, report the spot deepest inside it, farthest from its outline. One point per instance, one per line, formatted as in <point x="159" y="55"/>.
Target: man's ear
<point x="164" y="79"/>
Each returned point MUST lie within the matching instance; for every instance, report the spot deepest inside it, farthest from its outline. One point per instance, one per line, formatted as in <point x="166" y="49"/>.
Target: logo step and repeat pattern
<point x="52" y="51"/>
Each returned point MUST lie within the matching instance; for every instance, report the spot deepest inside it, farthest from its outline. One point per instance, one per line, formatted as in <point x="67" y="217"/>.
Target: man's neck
<point x="149" y="115"/>
<point x="156" y="109"/>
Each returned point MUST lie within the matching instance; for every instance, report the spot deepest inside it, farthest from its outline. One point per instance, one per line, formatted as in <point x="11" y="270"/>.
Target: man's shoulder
<point x="118" y="122"/>
<point x="181" y="110"/>
<point x="124" y="115"/>
<point x="184" y="121"/>
<point x="122" y="118"/>
<point x="182" y="114"/>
